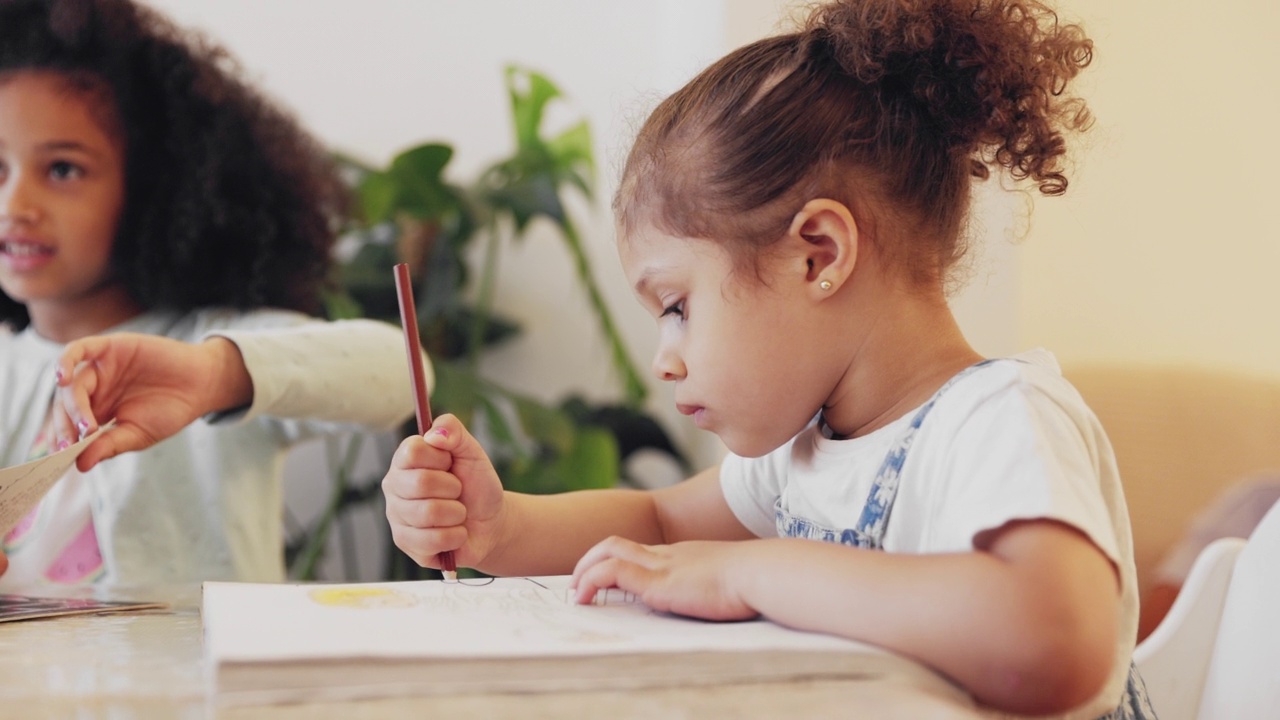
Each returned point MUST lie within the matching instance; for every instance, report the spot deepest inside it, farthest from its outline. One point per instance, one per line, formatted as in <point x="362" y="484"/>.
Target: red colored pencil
<point x="421" y="397"/>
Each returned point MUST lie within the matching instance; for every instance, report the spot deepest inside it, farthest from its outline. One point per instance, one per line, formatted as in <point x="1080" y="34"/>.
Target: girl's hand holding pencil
<point x="443" y="495"/>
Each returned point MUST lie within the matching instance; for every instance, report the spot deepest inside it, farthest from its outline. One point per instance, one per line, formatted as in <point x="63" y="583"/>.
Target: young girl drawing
<point x="790" y="218"/>
<point x="163" y="231"/>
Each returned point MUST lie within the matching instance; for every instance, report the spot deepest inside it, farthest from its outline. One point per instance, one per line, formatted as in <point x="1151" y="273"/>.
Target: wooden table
<point x="148" y="664"/>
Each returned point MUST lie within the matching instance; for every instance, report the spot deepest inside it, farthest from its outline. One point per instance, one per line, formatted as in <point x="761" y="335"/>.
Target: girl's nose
<point x="667" y="365"/>
<point x="16" y="204"/>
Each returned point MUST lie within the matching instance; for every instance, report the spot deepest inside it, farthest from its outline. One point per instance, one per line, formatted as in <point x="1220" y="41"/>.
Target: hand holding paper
<point x="153" y="386"/>
<point x="22" y="486"/>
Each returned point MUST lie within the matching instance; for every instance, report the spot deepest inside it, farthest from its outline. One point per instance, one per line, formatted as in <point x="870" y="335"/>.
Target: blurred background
<point x="1163" y="254"/>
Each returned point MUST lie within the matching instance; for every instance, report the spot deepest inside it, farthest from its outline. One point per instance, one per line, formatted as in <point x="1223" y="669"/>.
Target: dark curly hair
<point x="228" y="201"/>
<point x="890" y="106"/>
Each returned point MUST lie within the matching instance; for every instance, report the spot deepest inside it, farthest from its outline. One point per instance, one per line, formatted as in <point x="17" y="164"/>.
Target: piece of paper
<point x="22" y="486"/>
<point x="504" y="617"/>
<point x="26" y="607"/>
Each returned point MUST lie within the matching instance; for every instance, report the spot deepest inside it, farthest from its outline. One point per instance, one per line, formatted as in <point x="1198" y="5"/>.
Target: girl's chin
<point x="745" y="447"/>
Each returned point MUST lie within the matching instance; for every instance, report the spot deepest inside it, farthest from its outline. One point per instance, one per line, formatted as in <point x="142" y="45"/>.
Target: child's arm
<point x="443" y="494"/>
<point x="153" y="387"/>
<point x="324" y="376"/>
<point x="1027" y="623"/>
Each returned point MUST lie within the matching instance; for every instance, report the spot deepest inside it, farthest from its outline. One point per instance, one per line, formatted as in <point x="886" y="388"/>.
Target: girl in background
<point x="791" y="218"/>
<point x="168" y="230"/>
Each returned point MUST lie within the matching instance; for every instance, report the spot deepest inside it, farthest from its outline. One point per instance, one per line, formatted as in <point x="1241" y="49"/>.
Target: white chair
<point x="1174" y="659"/>
<point x="1216" y="655"/>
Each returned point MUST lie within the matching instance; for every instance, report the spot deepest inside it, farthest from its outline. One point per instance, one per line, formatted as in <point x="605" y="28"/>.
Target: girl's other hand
<point x="688" y="578"/>
<point x="153" y="387"/>
<point x="443" y="494"/>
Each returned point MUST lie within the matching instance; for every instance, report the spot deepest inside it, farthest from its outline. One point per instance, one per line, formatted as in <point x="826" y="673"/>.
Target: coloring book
<point x="267" y="643"/>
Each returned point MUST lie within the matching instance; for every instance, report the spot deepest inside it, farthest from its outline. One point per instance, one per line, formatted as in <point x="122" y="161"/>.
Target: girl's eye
<point x="676" y="309"/>
<point x="63" y="170"/>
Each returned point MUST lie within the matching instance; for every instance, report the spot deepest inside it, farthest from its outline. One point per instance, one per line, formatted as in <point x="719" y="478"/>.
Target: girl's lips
<point x="698" y="412"/>
<point x="22" y="255"/>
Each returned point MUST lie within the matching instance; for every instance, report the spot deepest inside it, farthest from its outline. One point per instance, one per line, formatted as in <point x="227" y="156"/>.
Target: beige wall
<point x="1166" y="249"/>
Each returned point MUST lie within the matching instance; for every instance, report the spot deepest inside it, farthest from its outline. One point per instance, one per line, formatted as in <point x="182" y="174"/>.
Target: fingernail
<point x="64" y="444"/>
<point x="442" y="432"/>
<point x="58" y="375"/>
<point x="83" y="427"/>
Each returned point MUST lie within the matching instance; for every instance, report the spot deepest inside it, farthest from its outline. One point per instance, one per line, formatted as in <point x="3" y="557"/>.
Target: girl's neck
<point x="91" y="314"/>
<point x="907" y="353"/>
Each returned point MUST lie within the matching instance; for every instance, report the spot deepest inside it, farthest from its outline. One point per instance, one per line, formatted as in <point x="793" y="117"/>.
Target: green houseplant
<point x="410" y="211"/>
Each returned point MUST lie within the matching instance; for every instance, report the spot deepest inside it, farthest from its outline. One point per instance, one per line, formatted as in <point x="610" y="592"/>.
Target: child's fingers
<point x="415" y="484"/>
<point x="426" y="513"/>
<point x="77" y="352"/>
<point x="611" y="548"/>
<point x="64" y="431"/>
<point x="119" y="439"/>
<point x="415" y="453"/>
<point x="424" y="545"/>
<point x="448" y="433"/>
<point x="612" y="573"/>
<point x="73" y="398"/>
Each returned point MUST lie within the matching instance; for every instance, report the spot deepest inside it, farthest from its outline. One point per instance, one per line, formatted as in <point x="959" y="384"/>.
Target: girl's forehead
<point x="61" y="104"/>
<point x="649" y="253"/>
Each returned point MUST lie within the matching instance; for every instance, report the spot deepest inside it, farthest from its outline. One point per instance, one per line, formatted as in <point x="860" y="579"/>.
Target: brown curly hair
<point x="890" y="106"/>
<point x="228" y="201"/>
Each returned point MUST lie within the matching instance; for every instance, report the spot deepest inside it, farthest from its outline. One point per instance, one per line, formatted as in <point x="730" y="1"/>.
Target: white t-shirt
<point x="1010" y="441"/>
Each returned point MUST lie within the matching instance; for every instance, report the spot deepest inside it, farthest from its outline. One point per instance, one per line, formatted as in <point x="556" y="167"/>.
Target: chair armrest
<point x="1174" y="659"/>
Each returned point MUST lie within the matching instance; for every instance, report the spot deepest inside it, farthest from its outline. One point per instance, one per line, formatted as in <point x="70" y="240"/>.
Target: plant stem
<point x="309" y="558"/>
<point x="484" y="294"/>
<point x="635" y="387"/>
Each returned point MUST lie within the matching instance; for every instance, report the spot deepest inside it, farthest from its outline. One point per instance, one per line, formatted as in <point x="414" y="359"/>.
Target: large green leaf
<point x="341" y="306"/>
<point x="573" y="159"/>
<point x="545" y="425"/>
<point x="530" y="92"/>
<point x="378" y="193"/>
<point x="419" y="176"/>
<point x="457" y="390"/>
<point x="592" y="462"/>
<point x="497" y="423"/>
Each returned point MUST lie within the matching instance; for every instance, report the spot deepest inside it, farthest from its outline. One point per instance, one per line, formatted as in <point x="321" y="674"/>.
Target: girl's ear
<point x="826" y="235"/>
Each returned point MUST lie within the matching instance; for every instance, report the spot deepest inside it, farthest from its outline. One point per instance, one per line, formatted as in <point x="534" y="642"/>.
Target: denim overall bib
<point x="870" y="529"/>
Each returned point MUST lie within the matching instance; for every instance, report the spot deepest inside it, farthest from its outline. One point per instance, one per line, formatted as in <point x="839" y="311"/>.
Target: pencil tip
<point x="450" y="575"/>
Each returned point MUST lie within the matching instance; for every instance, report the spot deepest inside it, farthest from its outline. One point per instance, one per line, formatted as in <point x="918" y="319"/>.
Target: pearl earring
<point x="825" y="284"/>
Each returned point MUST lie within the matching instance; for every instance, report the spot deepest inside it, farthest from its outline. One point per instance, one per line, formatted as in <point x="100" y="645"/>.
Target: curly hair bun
<point x="990" y="75"/>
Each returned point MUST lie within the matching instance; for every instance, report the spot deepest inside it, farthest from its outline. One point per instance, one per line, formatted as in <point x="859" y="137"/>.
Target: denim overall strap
<point x="875" y="514"/>
<point x="869" y="530"/>
<point x="1134" y="704"/>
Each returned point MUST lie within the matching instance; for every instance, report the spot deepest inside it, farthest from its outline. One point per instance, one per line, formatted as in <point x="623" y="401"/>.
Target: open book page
<point x="504" y="617"/>
<point x="22" y="486"/>
<point x="268" y="643"/>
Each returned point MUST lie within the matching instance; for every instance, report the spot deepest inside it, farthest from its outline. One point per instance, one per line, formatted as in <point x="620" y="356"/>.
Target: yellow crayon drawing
<point x="361" y="597"/>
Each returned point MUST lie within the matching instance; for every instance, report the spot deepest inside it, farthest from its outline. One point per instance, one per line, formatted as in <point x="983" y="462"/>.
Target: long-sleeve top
<point x="207" y="503"/>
